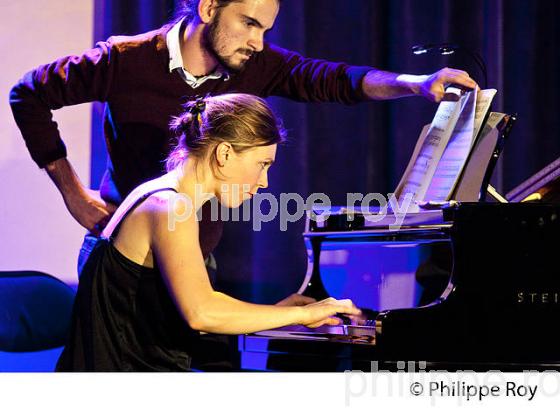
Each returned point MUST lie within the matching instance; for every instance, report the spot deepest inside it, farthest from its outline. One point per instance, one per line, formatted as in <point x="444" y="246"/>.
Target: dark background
<point x="336" y="149"/>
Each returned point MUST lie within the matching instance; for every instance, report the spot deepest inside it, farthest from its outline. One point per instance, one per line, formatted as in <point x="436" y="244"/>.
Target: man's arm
<point x="285" y="73"/>
<point x="67" y="81"/>
<point x="85" y="205"/>
<point x="383" y="85"/>
<point x="288" y="74"/>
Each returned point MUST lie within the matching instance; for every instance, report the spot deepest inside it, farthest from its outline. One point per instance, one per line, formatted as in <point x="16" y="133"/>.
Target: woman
<point x="144" y="292"/>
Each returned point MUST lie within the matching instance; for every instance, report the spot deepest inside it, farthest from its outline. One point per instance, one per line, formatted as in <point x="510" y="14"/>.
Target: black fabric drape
<point x="365" y="148"/>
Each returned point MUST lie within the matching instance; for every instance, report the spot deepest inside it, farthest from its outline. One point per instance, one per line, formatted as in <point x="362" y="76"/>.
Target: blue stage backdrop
<point x="336" y="149"/>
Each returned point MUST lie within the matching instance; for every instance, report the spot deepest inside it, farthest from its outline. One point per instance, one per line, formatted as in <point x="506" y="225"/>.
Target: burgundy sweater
<point x="131" y="75"/>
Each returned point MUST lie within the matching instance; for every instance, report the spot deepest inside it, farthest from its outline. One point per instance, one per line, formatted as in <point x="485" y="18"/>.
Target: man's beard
<point x="211" y="36"/>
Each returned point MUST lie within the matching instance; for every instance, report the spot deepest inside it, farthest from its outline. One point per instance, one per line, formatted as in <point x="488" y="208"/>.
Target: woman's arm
<point x="177" y="253"/>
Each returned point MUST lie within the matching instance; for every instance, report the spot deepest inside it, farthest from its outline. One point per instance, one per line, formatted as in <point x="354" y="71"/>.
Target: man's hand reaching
<point x="433" y="86"/>
<point x="383" y="85"/>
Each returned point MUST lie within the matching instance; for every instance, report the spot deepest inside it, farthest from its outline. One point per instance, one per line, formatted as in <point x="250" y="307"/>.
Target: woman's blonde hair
<point x="244" y="121"/>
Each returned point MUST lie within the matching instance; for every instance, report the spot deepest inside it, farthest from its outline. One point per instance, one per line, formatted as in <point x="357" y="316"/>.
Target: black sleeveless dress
<point x="124" y="318"/>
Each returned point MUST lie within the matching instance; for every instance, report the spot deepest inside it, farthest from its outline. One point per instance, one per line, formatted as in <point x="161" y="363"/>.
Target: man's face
<point x="236" y="32"/>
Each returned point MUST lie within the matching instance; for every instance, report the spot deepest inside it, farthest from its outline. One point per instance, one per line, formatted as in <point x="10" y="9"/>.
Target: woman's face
<point x="244" y="174"/>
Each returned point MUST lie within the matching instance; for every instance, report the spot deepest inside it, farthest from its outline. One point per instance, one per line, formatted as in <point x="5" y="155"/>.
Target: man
<point x="217" y="47"/>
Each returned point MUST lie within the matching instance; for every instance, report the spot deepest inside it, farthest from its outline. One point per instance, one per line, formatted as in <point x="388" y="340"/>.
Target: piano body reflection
<point x="470" y="286"/>
<point x="477" y="287"/>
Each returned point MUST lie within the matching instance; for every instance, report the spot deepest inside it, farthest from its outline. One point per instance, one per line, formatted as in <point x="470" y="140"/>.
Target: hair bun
<point x="182" y="124"/>
<point x="197" y="106"/>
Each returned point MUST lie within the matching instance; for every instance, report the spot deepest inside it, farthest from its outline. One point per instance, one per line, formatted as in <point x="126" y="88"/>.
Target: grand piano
<point x="469" y="284"/>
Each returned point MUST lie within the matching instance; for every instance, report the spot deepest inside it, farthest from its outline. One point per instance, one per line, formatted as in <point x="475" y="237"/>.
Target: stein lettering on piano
<point x="538" y="297"/>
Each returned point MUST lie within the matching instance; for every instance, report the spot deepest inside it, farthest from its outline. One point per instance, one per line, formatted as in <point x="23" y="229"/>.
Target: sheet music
<point x="483" y="102"/>
<point x="430" y="148"/>
<point x="493" y="120"/>
<point x="471" y="180"/>
<point x="460" y="144"/>
<point x="455" y="153"/>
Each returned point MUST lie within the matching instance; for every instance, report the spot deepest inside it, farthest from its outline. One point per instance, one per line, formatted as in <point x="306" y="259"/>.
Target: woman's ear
<point x="223" y="153"/>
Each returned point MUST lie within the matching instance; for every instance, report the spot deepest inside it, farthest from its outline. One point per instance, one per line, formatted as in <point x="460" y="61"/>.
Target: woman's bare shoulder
<point x="168" y="212"/>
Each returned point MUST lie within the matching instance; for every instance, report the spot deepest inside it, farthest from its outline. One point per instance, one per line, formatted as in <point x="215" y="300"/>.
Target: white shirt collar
<point x="176" y="60"/>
